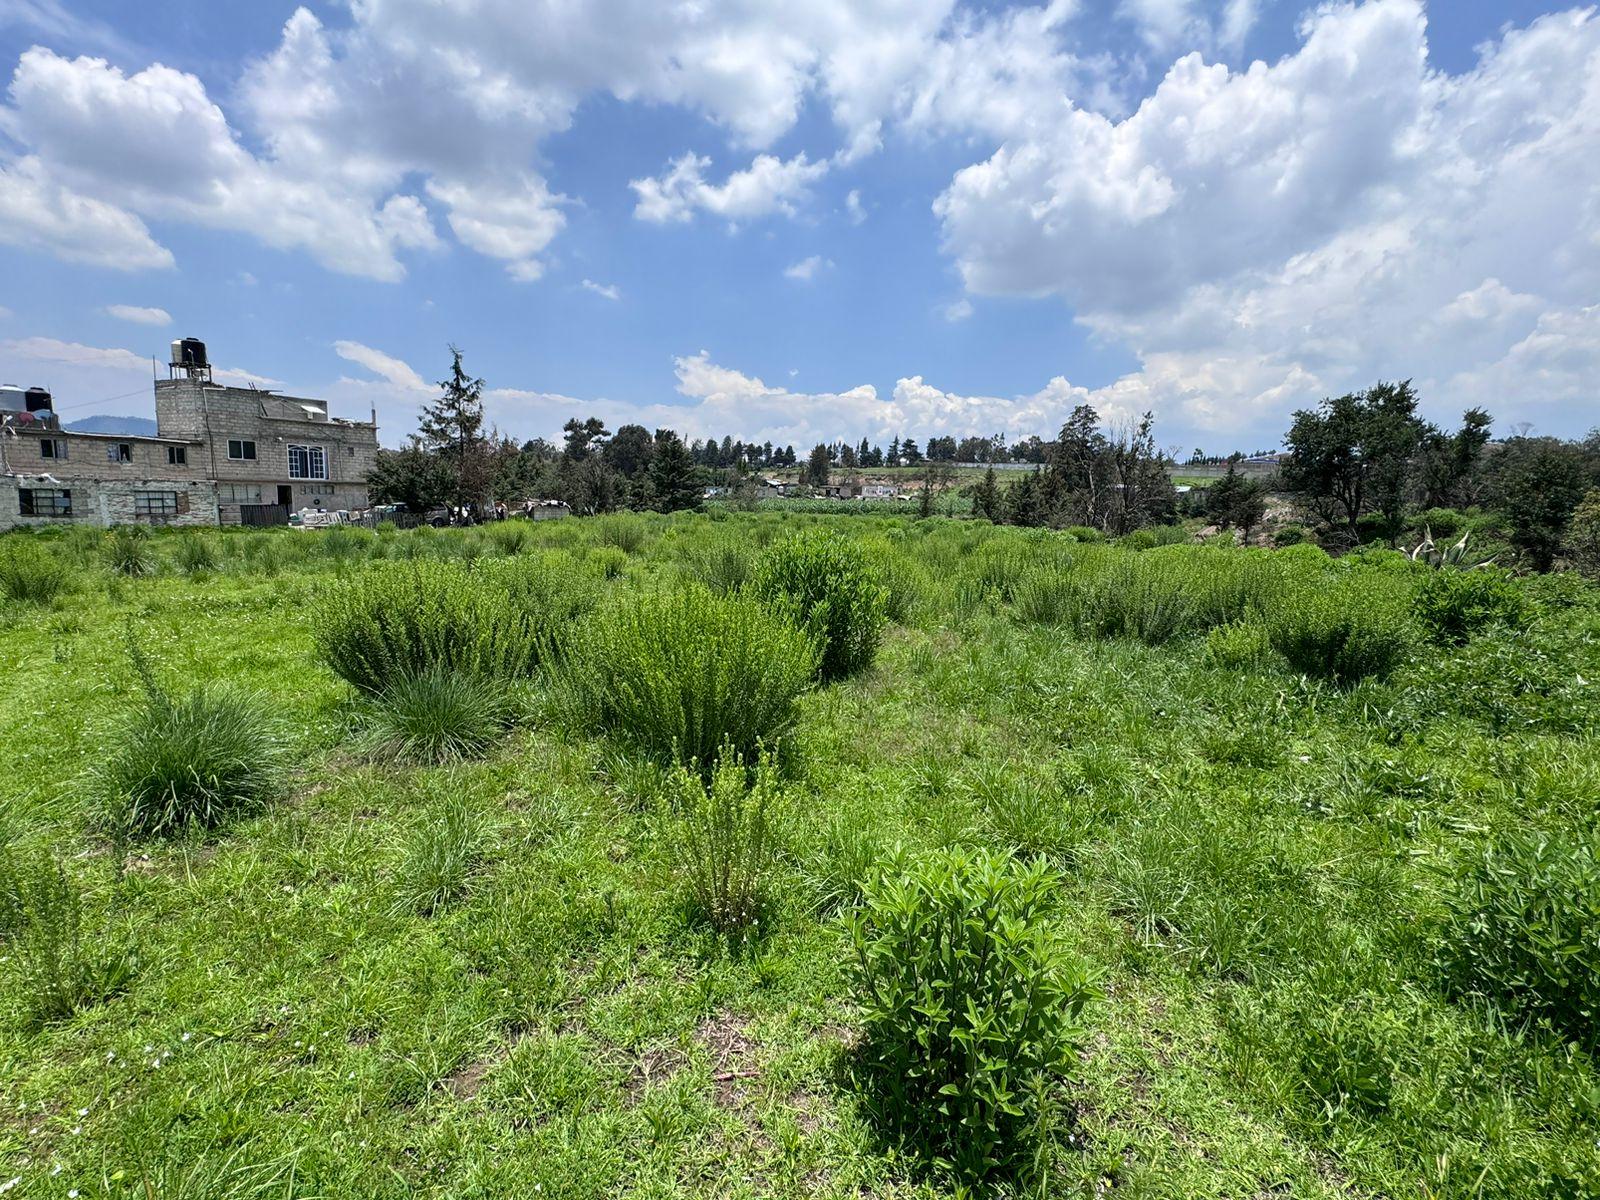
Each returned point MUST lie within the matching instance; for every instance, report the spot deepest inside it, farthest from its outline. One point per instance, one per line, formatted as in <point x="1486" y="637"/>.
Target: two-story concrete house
<point x="220" y="455"/>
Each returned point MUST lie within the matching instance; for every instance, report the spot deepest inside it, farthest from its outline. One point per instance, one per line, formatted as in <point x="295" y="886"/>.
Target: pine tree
<point x="986" y="500"/>
<point x="453" y="426"/>
<point x="672" y="476"/>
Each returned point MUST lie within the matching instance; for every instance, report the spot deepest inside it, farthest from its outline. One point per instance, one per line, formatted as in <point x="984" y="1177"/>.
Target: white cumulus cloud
<point x="609" y="291"/>
<point x="767" y="186"/>
<point x="139" y="315"/>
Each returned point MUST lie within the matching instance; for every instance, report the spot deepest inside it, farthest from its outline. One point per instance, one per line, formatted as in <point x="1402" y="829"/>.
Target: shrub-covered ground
<point x="1341" y="918"/>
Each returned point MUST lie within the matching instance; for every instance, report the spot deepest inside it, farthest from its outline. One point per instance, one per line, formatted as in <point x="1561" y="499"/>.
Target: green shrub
<point x="1454" y="606"/>
<point x="199" y="759"/>
<point x="607" y="562"/>
<point x="31" y="574"/>
<point x="1341" y="629"/>
<point x="441" y="853"/>
<point x="827" y="585"/>
<point x="1290" y="535"/>
<point x="127" y="551"/>
<point x="398" y="620"/>
<point x="1523" y="931"/>
<point x="1084" y="533"/>
<point x="1139" y="539"/>
<point x="681" y="675"/>
<point x="56" y="968"/>
<point x="1239" y="645"/>
<point x="718" y="836"/>
<point x="970" y="1003"/>
<point x="435" y="716"/>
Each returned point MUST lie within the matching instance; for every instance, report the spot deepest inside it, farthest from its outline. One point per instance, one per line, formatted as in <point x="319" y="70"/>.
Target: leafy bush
<point x="608" y="562"/>
<point x="1084" y="533"/>
<point x="1454" y="605"/>
<point x="971" y="1005"/>
<point x="718" y="835"/>
<point x="31" y="574"/>
<point x="193" y="760"/>
<point x="1523" y="931"/>
<point x="1239" y="645"/>
<point x="829" y="587"/>
<point x="441" y="853"/>
<point x="1290" y="535"/>
<point x="1340" y="629"/>
<point x="684" y="675"/>
<point x="436" y="716"/>
<point x="127" y="551"/>
<point x="58" y="970"/>
<point x="723" y="565"/>
<point x="496" y="619"/>
<point x="622" y="530"/>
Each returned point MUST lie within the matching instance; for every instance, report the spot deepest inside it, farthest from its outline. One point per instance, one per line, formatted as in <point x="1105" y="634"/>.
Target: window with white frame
<point x="155" y="506"/>
<point x="53" y="448"/>
<point x="308" y="462"/>
<point x="45" y="502"/>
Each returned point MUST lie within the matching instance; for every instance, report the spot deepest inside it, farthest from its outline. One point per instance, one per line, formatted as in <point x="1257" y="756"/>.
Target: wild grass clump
<point x="1343" y="629"/>
<point x="442" y="852"/>
<point x="199" y="759"/>
<point x="127" y="551"/>
<point x="622" y="530"/>
<point x="722" y="564"/>
<point x="396" y="621"/>
<point x="1523" y="931"/>
<point x="1454" y="605"/>
<point x="718" y="835"/>
<point x="683" y="676"/>
<point x="971" y="1005"/>
<point x="828" y="586"/>
<point x="194" y="553"/>
<point x="435" y="716"/>
<point x="31" y="574"/>
<point x="57" y="969"/>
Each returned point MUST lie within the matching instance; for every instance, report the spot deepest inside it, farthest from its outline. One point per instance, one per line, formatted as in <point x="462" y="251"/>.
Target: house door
<point x="286" y="495"/>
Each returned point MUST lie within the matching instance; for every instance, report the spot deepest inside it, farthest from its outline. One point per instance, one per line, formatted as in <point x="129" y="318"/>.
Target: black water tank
<point x="38" y="400"/>
<point x="193" y="352"/>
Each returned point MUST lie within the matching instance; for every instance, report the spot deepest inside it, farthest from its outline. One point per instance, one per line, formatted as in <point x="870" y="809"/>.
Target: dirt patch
<point x="734" y="1054"/>
<point x="650" y="1067"/>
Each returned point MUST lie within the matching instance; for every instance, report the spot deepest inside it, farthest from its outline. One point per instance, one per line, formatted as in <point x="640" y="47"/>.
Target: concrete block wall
<point x="112" y="502"/>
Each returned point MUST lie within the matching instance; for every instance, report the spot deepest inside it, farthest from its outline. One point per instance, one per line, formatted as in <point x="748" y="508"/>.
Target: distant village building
<point x="220" y="455"/>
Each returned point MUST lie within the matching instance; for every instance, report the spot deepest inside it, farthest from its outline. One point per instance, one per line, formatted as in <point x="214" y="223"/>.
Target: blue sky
<point x="862" y="218"/>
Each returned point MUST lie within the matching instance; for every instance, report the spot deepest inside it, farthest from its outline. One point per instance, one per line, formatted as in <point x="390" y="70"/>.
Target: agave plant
<point x="1452" y="556"/>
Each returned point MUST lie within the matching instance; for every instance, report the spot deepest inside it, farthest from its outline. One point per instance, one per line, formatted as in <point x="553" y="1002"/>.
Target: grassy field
<point x="1321" y="833"/>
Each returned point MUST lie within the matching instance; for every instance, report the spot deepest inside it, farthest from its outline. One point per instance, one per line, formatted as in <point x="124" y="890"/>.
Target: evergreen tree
<point x="986" y="498"/>
<point x="452" y="425"/>
<point x="672" y="474"/>
<point x="817" y="466"/>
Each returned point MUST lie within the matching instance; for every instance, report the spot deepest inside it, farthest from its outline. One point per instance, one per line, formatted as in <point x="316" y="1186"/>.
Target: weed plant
<point x="683" y="676"/>
<point x="719" y="837"/>
<point x="31" y="574"/>
<point x="971" y="1007"/>
<point x="435" y="716"/>
<point x="442" y="851"/>
<point x="57" y="969"/>
<point x="827" y="586"/>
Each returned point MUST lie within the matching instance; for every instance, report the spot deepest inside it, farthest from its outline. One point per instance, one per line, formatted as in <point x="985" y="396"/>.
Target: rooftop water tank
<point x="12" y="398"/>
<point x="38" y="400"/>
<point x="189" y="353"/>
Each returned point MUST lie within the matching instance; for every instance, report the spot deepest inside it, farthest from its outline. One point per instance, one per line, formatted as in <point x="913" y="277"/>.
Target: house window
<point x="241" y="450"/>
<point x="156" y="506"/>
<point x="241" y="493"/>
<point x="45" y="502"/>
<point x="307" y="462"/>
<point x="119" y="452"/>
<point x="52" y="448"/>
<point x="177" y="456"/>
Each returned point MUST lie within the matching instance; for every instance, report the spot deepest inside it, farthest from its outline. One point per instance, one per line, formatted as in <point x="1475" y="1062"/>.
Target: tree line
<point x="1359" y="468"/>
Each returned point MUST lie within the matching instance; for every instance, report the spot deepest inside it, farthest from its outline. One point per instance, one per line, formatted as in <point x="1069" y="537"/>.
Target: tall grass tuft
<point x="398" y="620"/>
<point x="31" y="574"/>
<point x="828" y="586"/>
<point x="194" y="553"/>
<point x="719" y="837"/>
<point x="723" y="565"/>
<point x="435" y="716"/>
<point x="442" y="852"/>
<point x="198" y="759"/>
<point x="686" y="675"/>
<point x="127" y="551"/>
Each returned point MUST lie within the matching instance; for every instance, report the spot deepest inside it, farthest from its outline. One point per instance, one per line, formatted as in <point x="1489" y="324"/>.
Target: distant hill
<point x="138" y="426"/>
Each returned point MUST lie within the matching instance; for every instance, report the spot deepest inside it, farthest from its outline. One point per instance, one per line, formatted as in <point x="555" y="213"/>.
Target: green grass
<point x="482" y="978"/>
